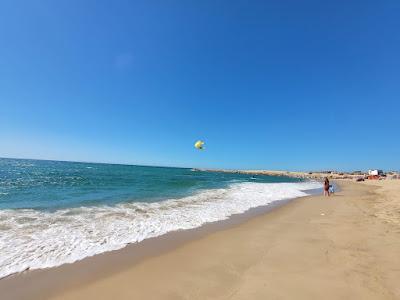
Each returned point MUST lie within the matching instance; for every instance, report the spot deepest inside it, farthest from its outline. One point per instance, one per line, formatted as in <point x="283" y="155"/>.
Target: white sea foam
<point x="31" y="239"/>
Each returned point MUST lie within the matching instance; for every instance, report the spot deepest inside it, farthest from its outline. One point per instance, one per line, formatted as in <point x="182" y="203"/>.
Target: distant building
<point x="356" y="173"/>
<point x="375" y="172"/>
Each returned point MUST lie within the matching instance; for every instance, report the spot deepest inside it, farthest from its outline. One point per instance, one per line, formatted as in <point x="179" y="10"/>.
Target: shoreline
<point x="116" y="227"/>
<point x="81" y="271"/>
<point x="310" y="247"/>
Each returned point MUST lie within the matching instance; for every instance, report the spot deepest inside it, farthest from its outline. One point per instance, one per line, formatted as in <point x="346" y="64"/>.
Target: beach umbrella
<point x="199" y="145"/>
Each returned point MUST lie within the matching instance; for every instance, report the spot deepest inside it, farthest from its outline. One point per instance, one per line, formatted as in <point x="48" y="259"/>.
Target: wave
<point x="32" y="239"/>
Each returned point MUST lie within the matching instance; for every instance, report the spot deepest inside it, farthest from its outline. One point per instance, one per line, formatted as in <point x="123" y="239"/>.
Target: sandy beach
<point x="342" y="247"/>
<point x="196" y="150"/>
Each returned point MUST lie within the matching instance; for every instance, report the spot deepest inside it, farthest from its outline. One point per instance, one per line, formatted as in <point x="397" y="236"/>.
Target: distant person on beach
<point x="326" y="187"/>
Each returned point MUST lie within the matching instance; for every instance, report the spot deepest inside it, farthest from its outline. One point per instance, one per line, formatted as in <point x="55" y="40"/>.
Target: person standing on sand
<point x="326" y="187"/>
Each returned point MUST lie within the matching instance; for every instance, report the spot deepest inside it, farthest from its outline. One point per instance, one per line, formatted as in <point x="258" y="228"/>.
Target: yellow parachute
<point x="199" y="145"/>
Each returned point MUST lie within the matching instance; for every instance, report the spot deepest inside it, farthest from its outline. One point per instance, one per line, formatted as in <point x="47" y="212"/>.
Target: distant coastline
<point x="310" y="175"/>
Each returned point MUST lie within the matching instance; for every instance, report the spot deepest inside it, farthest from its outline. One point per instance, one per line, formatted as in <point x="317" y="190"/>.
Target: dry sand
<point x="343" y="247"/>
<point x="387" y="202"/>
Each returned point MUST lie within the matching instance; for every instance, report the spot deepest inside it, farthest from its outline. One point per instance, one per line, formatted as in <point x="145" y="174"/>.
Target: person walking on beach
<point x="326" y="187"/>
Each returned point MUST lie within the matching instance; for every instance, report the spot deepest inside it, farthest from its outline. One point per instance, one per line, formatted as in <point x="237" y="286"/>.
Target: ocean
<point x="54" y="212"/>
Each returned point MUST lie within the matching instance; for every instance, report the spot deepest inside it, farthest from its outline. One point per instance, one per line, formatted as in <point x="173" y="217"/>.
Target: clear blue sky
<point x="267" y="84"/>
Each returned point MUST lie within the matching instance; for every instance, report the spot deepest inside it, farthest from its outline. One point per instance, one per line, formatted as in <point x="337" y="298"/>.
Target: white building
<point x="375" y="172"/>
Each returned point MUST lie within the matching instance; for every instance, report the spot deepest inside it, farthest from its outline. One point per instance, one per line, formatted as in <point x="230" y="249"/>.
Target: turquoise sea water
<point x="54" y="212"/>
<point x="41" y="184"/>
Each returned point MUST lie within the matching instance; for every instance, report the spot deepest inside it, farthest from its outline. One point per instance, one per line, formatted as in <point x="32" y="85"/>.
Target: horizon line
<point x="175" y="167"/>
<point x="95" y="162"/>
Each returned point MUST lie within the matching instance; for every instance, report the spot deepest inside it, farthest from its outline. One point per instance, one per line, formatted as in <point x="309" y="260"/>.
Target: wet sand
<point x="342" y="247"/>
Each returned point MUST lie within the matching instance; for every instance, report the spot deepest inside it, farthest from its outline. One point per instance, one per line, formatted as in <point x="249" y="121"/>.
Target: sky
<point x="289" y="85"/>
